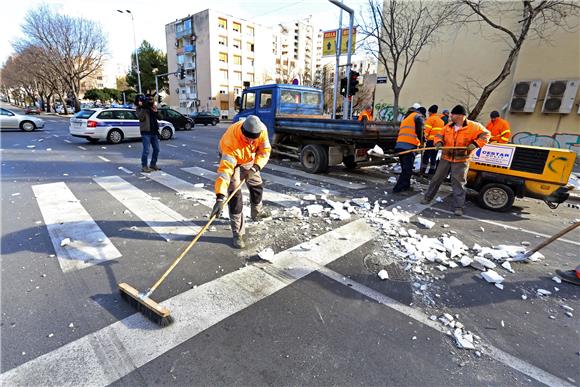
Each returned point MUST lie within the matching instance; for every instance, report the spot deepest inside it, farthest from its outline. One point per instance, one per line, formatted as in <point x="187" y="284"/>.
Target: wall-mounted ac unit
<point x="560" y="96"/>
<point x="525" y="96"/>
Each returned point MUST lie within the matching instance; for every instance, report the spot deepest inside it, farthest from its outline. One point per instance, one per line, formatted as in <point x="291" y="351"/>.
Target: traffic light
<point x="353" y="82"/>
<point x="182" y="73"/>
<point x="343" y="87"/>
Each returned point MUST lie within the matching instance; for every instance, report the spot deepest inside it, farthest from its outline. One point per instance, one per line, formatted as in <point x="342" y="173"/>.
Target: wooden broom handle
<point x="551" y="239"/>
<point x="430" y="148"/>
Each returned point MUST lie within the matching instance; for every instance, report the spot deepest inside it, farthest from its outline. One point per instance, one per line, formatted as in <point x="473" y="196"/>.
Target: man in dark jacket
<point x="149" y="127"/>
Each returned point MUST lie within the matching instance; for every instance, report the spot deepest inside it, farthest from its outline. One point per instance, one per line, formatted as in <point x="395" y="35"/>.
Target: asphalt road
<point x="317" y="315"/>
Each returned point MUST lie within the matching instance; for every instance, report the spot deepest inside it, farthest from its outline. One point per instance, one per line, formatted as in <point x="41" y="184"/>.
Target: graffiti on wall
<point x="384" y="112"/>
<point x="557" y="140"/>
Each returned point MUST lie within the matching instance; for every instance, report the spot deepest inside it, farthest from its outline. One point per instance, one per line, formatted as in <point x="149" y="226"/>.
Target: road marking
<point x="200" y="152"/>
<point x="304" y="187"/>
<point x="162" y="219"/>
<point x="313" y="176"/>
<point x="511" y="227"/>
<point x="68" y="141"/>
<point x="184" y="188"/>
<point x="81" y="147"/>
<point x="269" y="195"/>
<point x="362" y="175"/>
<point x="125" y="170"/>
<point x="104" y="159"/>
<point x="102" y="357"/>
<point x="173" y="146"/>
<point x="65" y="217"/>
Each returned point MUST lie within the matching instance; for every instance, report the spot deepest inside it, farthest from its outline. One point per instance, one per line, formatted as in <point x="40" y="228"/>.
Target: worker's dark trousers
<point x="429" y="159"/>
<point x="404" y="182"/>
<point x="236" y="205"/>
<point x="458" y="180"/>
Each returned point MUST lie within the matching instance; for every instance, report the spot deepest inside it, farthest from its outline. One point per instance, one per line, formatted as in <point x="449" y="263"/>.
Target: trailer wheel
<point x="349" y="162"/>
<point x="314" y="158"/>
<point x="496" y="197"/>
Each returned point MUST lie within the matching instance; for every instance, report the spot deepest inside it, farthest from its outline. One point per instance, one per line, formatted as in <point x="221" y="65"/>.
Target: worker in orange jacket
<point x="499" y="128"/>
<point x="433" y="126"/>
<point x="460" y="132"/>
<point x="245" y="150"/>
<point x="410" y="136"/>
<point x="366" y="114"/>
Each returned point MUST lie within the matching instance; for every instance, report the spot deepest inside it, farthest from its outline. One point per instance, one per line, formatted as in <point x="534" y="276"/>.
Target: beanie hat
<point x="494" y="114"/>
<point x="458" y="109"/>
<point x="253" y="127"/>
<point x="445" y="111"/>
<point x="416" y="105"/>
<point x="422" y="110"/>
<point x="433" y="109"/>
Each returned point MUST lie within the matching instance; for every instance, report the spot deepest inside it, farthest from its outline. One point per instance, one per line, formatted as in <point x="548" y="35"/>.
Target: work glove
<point x="471" y="147"/>
<point x="218" y="207"/>
<point x="252" y="171"/>
<point x="439" y="145"/>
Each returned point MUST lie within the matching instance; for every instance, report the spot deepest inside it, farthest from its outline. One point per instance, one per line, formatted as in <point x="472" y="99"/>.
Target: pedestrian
<point x="433" y="126"/>
<point x="366" y="114"/>
<point x="460" y="132"/>
<point x="499" y="128"/>
<point x="245" y="150"/>
<point x="409" y="137"/>
<point x="445" y="116"/>
<point x="149" y="128"/>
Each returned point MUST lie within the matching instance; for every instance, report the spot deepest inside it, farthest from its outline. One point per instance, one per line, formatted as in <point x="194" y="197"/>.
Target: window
<point x="250" y="31"/>
<point x="124" y="115"/>
<point x="266" y="99"/>
<point x="237" y="75"/>
<point x="237" y="59"/>
<point x="222" y="23"/>
<point x="251" y="61"/>
<point x="223" y="89"/>
<point x="251" y="77"/>
<point x="222" y="40"/>
<point x="250" y="47"/>
<point x="173" y="114"/>
<point x="249" y="101"/>
<point x="181" y="59"/>
<point x="237" y="90"/>
<point x="83" y="114"/>
<point x="224" y="73"/>
<point x="311" y="98"/>
<point x="223" y="57"/>
<point x="237" y="44"/>
<point x="290" y="96"/>
<point x="106" y="115"/>
<point x="237" y="27"/>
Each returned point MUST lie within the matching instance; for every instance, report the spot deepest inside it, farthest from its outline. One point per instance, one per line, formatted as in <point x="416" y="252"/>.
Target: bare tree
<point x="535" y="19"/>
<point x="363" y="98"/>
<point x="396" y="31"/>
<point x="73" y="48"/>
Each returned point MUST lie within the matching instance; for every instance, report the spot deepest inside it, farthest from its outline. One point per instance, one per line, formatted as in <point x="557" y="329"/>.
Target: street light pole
<point x="136" y="51"/>
<point x="346" y="104"/>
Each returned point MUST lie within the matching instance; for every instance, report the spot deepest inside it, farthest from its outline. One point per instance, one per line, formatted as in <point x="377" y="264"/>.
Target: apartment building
<point x="219" y="53"/>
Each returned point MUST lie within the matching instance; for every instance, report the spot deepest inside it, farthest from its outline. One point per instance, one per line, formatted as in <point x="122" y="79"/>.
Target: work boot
<point x="426" y="201"/>
<point x="239" y="242"/>
<point x="262" y="214"/>
<point x="146" y="169"/>
<point x="458" y="212"/>
<point x="154" y="168"/>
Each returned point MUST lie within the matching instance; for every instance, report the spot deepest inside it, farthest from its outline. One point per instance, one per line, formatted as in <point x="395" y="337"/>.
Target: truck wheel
<point x="314" y="158"/>
<point x="496" y="197"/>
<point x="349" y="162"/>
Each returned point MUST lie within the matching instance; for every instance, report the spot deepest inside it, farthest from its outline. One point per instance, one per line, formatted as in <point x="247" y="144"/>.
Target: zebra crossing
<point x="79" y="242"/>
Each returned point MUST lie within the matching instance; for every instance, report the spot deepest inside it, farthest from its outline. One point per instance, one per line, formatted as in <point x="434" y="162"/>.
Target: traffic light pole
<point x="346" y="110"/>
<point x="157" y="82"/>
<point x="336" y="68"/>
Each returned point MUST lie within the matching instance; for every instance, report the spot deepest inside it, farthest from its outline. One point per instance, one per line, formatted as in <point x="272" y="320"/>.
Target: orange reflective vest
<point x="433" y="125"/>
<point x="365" y="114"/>
<point x="407" y="131"/>
<point x="500" y="130"/>
<point x="470" y="133"/>
<point x="235" y="150"/>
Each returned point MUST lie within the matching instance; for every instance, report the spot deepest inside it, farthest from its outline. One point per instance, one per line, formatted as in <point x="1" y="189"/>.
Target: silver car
<point x="11" y="120"/>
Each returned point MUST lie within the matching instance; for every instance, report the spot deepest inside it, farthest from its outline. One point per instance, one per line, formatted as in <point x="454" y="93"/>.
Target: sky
<point x="152" y="16"/>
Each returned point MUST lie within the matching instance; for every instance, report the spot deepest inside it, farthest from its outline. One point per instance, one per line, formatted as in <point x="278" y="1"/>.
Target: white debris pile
<point x="464" y="339"/>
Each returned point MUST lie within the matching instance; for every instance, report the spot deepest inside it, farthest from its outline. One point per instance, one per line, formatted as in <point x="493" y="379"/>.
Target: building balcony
<point x="189" y="65"/>
<point x="184" y="32"/>
<point x="189" y="48"/>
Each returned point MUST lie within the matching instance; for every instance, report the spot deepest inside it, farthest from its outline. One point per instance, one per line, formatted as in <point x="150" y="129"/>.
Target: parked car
<point x="32" y="109"/>
<point x="11" y="120"/>
<point x="59" y="109"/>
<point x="112" y="125"/>
<point x="205" y="118"/>
<point x="178" y="120"/>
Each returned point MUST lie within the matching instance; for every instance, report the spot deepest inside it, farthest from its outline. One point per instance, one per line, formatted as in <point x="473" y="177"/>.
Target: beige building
<point x="219" y="53"/>
<point x="441" y="76"/>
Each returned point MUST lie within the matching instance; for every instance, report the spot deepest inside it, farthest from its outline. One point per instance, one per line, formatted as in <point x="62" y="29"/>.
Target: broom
<point x="373" y="154"/>
<point x="140" y="300"/>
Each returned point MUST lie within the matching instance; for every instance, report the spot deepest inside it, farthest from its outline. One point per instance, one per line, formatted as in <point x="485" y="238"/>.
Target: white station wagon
<point x="112" y="125"/>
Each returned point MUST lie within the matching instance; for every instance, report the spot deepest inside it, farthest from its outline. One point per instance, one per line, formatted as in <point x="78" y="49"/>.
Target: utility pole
<point x="336" y="76"/>
<point x="346" y="111"/>
<point x="136" y="51"/>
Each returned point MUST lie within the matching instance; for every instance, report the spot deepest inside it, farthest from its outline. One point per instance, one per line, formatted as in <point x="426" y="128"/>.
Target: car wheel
<point x="115" y="136"/>
<point x="214" y="122"/>
<point x="496" y="197"/>
<point x="93" y="140"/>
<point x="27" y="126"/>
<point x="314" y="158"/>
<point x="205" y="124"/>
<point x="166" y="133"/>
<point x="188" y="126"/>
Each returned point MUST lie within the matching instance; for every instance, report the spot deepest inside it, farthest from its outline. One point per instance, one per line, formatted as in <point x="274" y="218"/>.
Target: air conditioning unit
<point x="525" y="96"/>
<point x="560" y="96"/>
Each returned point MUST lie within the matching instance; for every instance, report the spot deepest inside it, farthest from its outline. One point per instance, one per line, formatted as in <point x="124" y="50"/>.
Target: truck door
<point x="248" y="104"/>
<point x="265" y="108"/>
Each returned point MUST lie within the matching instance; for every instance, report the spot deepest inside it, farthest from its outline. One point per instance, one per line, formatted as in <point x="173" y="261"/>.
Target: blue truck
<point x="299" y="129"/>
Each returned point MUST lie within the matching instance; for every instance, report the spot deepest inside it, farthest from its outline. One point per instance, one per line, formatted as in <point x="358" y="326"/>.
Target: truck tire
<point x="314" y="158"/>
<point x="349" y="162"/>
<point x="496" y="197"/>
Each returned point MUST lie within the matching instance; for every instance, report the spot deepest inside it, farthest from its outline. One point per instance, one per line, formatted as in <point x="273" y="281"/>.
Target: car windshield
<point x="84" y="114"/>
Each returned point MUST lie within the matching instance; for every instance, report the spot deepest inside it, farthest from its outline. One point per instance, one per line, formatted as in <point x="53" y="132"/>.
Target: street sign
<point x="329" y="42"/>
<point x="381" y="80"/>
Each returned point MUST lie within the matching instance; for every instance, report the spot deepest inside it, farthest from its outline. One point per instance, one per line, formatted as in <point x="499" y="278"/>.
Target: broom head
<point x="149" y="308"/>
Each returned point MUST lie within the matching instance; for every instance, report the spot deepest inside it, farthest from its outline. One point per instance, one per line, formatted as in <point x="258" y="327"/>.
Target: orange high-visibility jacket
<point x="235" y="150"/>
<point x="365" y="114"/>
<point x="433" y="125"/>
<point x="500" y="130"/>
<point x="471" y="133"/>
<point x="407" y="132"/>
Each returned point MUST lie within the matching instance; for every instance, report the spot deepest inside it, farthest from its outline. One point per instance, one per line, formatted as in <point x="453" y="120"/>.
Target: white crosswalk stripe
<point x="322" y="178"/>
<point x="162" y="219"/>
<point x="65" y="217"/>
<point x="269" y="195"/>
<point x="304" y="187"/>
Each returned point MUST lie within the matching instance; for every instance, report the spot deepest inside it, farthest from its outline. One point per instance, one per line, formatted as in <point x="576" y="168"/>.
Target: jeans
<point x="458" y="181"/>
<point x="153" y="140"/>
<point x="407" y="162"/>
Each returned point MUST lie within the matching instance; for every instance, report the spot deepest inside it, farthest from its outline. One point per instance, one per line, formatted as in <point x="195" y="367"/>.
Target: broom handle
<point x="430" y="148"/>
<point x="191" y="244"/>
<point x="551" y="239"/>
